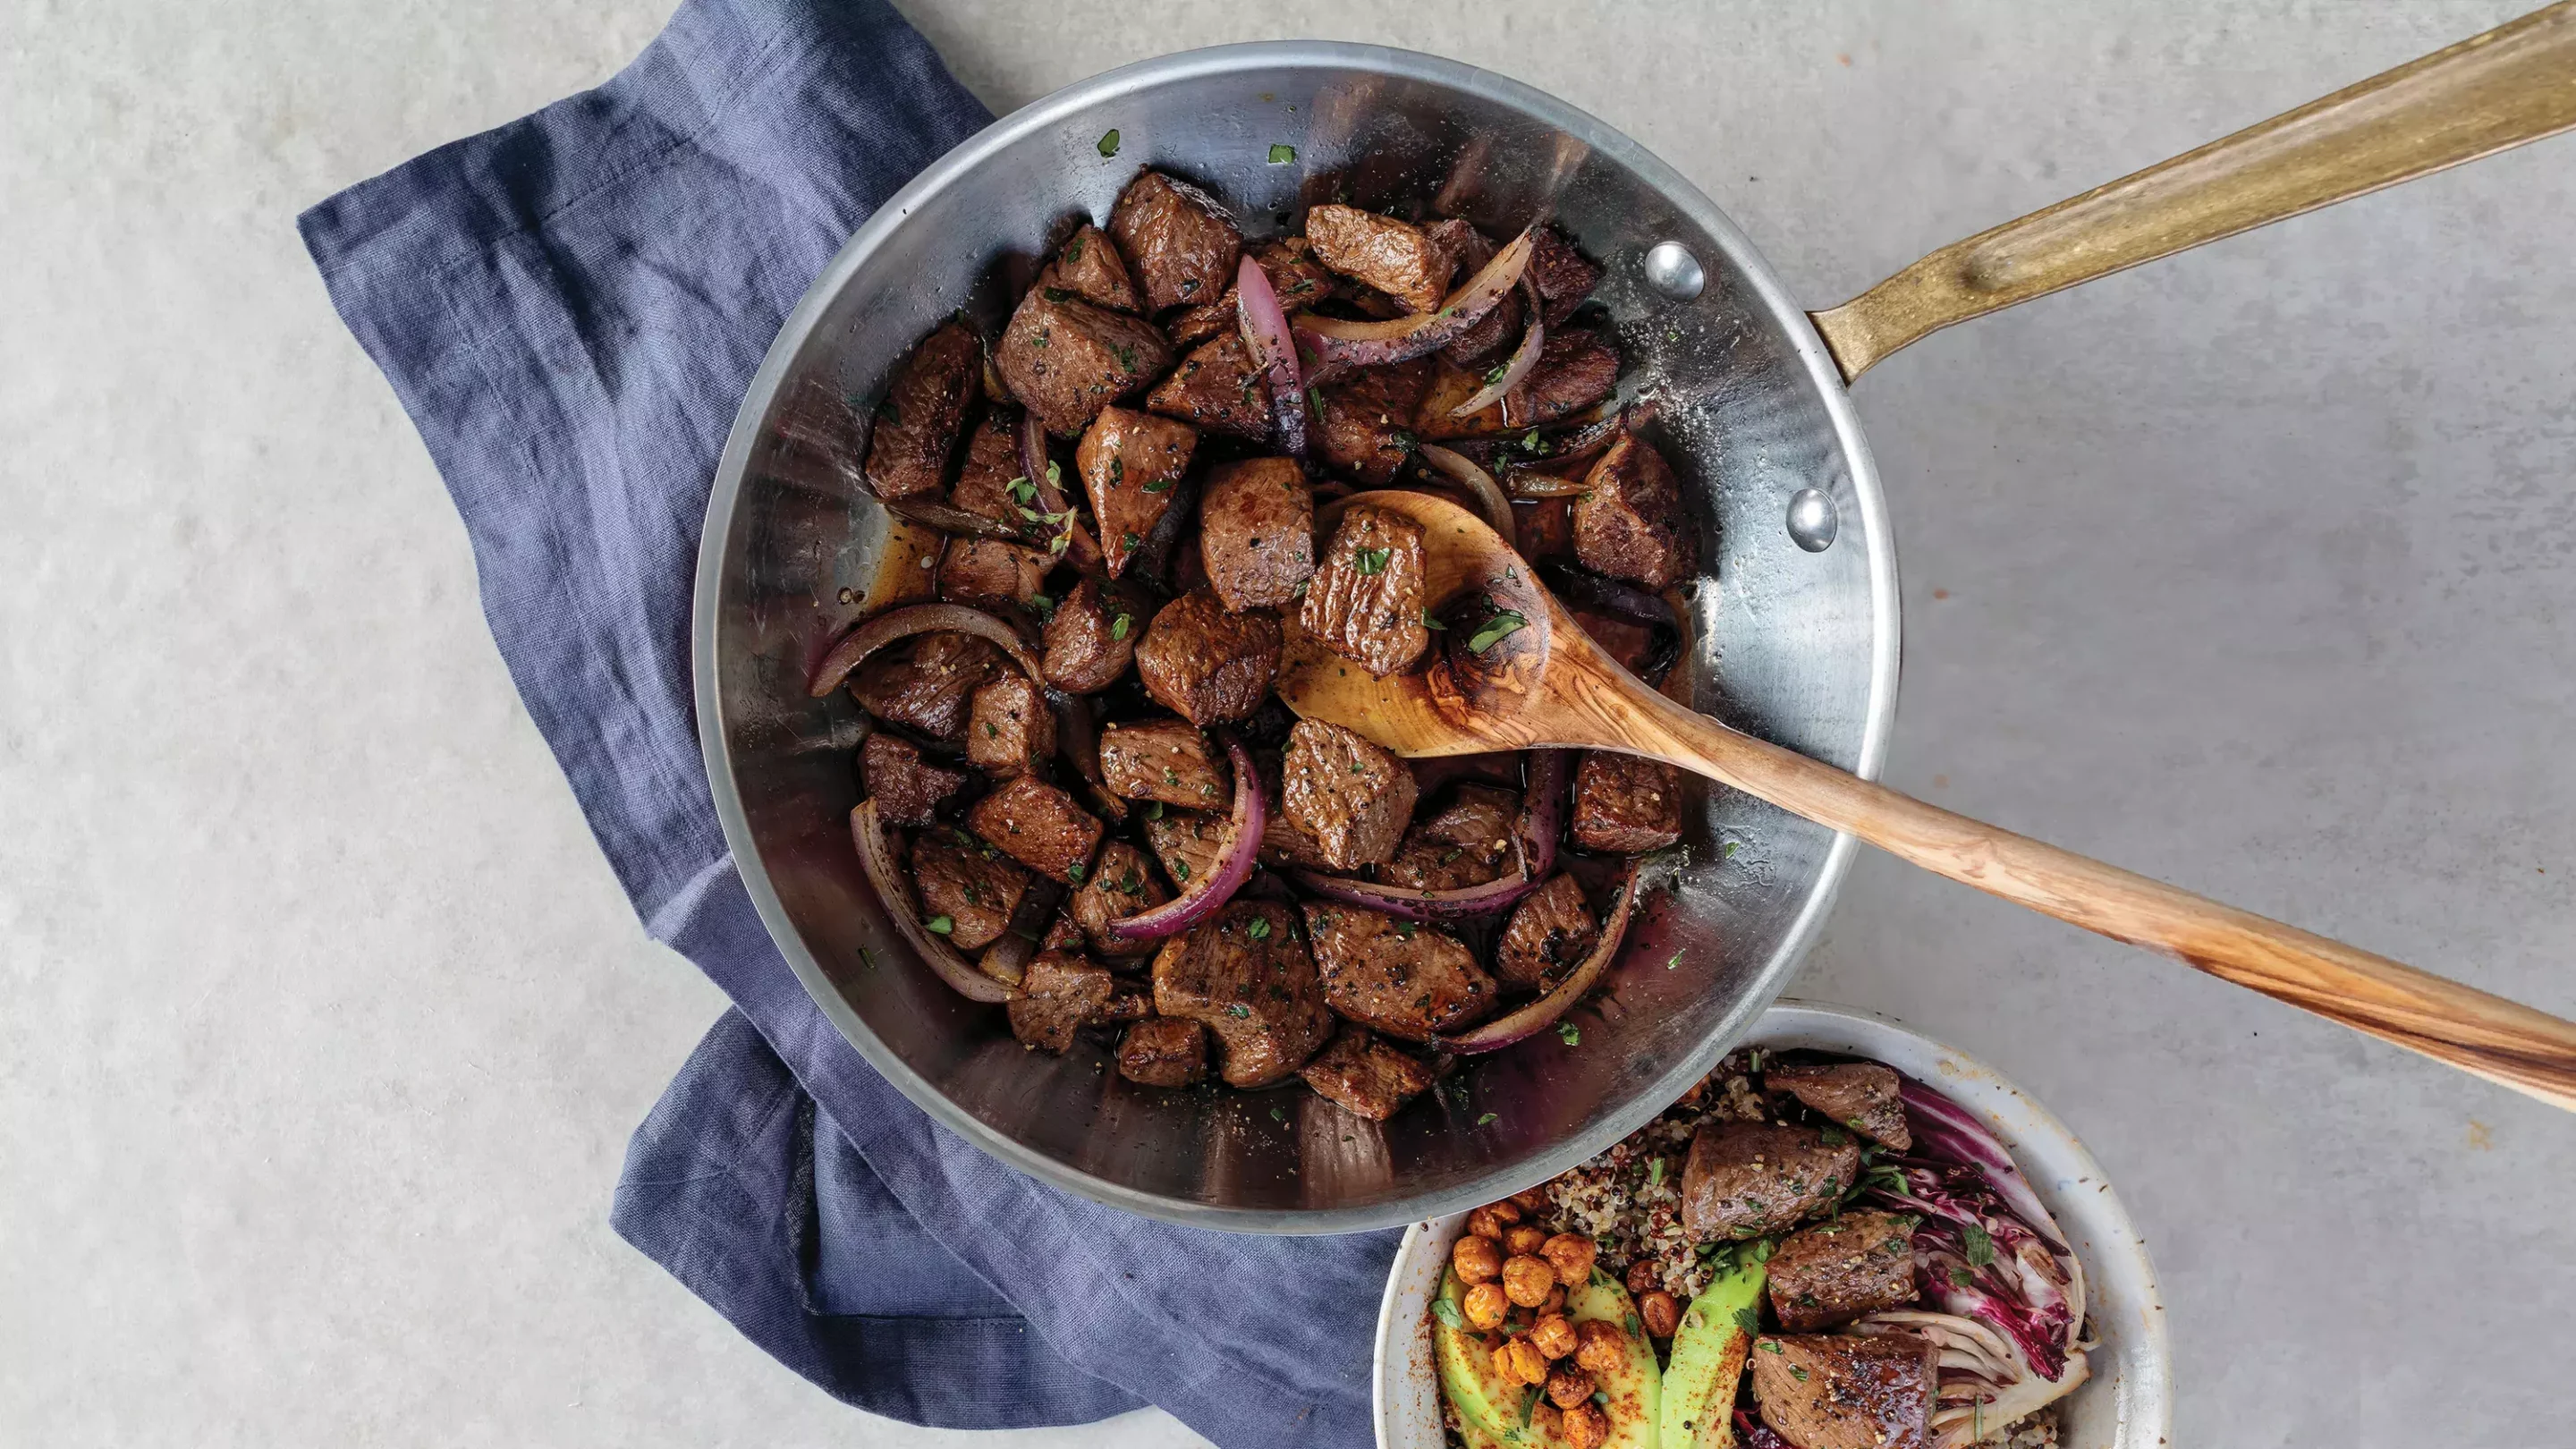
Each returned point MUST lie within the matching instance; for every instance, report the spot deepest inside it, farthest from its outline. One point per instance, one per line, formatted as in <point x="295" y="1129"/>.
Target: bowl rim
<point x="2050" y="1153"/>
<point x="803" y="322"/>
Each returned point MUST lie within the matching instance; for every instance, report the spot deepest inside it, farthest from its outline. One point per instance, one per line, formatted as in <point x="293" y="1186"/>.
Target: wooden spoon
<point x="1548" y="684"/>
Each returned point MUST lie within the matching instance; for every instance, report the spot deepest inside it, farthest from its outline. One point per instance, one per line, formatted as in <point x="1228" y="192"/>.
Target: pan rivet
<point x="1813" y="520"/>
<point x="1673" y="271"/>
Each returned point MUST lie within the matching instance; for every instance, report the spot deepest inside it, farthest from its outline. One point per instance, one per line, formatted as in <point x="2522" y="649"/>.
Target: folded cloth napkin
<point x="569" y="308"/>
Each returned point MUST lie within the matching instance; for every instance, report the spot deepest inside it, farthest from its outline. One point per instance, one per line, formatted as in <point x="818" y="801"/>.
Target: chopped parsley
<point x="1797" y="1373"/>
<point x="1076" y="871"/>
<point x="1404" y="930"/>
<point x="1109" y="143"/>
<point x="1431" y="623"/>
<point x="940" y="926"/>
<point x="1496" y="375"/>
<point x="1119" y="626"/>
<point x="1118" y="466"/>
<point x="1372" y="561"/>
<point x="1447" y="1312"/>
<point x="1655" y="1173"/>
<point x="1980" y="1243"/>
<point x="992" y="731"/>
<point x="1833" y="1136"/>
<point x="1154" y="810"/>
<point x="1042" y="605"/>
<point x="1280" y="1114"/>
<point x="1159" y="485"/>
<point x="1259" y="930"/>
<point x="1488" y="1117"/>
<point x="1133" y="541"/>
<point x="1181" y="870"/>
<point x="1281" y="154"/>
<point x="1126" y="363"/>
<point x="1057" y="294"/>
<point x="1238" y="1011"/>
<point x="1770" y="1345"/>
<point x="1498" y="628"/>
<point x="1674" y="963"/>
<point x="1959" y="1278"/>
<point x="1569" y="1033"/>
<point x="1749" y="1319"/>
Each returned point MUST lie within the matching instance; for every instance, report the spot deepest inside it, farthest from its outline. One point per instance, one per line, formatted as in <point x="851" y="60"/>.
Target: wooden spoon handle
<point x="2500" y="1040"/>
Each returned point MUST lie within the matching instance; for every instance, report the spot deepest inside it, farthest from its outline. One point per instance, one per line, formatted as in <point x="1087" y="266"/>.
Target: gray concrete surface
<point x="325" y="1025"/>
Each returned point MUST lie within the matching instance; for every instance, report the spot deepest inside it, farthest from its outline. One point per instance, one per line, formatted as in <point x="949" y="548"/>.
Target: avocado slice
<point x="1708" y="1360"/>
<point x="1631" y="1396"/>
<point x="1488" y="1409"/>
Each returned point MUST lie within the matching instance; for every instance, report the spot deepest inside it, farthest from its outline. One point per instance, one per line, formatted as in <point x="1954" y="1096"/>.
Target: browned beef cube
<point x="1351" y="796"/>
<point x="907" y="789"/>
<point x="1089" y="266"/>
<point x="1091" y="637"/>
<point x="1060" y="994"/>
<point x="1193" y="326"/>
<point x="1484" y="350"/>
<point x="1039" y="826"/>
<point x="1129" y="462"/>
<point x="1629" y="522"/>
<point x="1284" y="842"/>
<point x="1626" y="804"/>
<point x="1180" y="243"/>
<point x="1551" y="929"/>
<point x="1860" y="1095"/>
<point x="1396" y="257"/>
<point x="1257" y="533"/>
<point x="1749" y="1178"/>
<point x="1560" y="273"/>
<point x="1400" y="977"/>
<point x="987" y="573"/>
<point x="1009" y="731"/>
<point x="1063" y="933"/>
<point x="923" y="408"/>
<point x="928" y="686"/>
<point x="971" y="888"/>
<point x="1364" y="422"/>
<point x="1121" y="883"/>
<point x="1068" y="359"/>
<point x="1244" y="971"/>
<point x="1847" y="1390"/>
<point x="1366" y="602"/>
<point x="1164" y="1051"/>
<point x="1217" y="388"/>
<point x="1465" y="843"/>
<point x="1575" y="370"/>
<point x="1833" y="1272"/>
<point x="1206" y="665"/>
<point x="1189" y="844"/>
<point x="1165" y="759"/>
<point x="1296" y="276"/>
<point x="1365" y="1076"/>
<point x="984" y="480"/>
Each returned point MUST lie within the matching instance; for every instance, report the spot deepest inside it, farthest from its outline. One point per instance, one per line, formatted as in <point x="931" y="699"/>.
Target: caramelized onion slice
<point x="1523" y="359"/>
<point x="870" y="635"/>
<point x="1077" y="545"/>
<point x="1459" y="469"/>
<point x="1219" y="885"/>
<point x="1541" y="1014"/>
<point x="885" y="874"/>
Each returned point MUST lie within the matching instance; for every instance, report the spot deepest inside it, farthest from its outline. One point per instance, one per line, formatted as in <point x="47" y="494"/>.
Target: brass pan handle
<point x="2516" y="83"/>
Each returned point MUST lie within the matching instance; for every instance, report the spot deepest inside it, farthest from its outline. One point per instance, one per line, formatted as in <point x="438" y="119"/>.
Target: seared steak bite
<point x="1091" y="637"/>
<point x="1121" y="883"/>
<point x="1402" y="978"/>
<point x="1396" y="257"/>
<point x="1257" y="533"/>
<point x="1285" y="841"/>
<point x="1551" y="929"/>
<point x="1129" y="462"/>
<point x="1216" y="387"/>
<point x="1748" y="1178"/>
<point x="1068" y="359"/>
<point x="1180" y="244"/>
<point x="1629" y="523"/>
<point x="1365" y="1076"/>
<point x="1350" y="796"/>
<point x="1039" y="826"/>
<point x="1297" y="278"/>
<point x="1089" y="267"/>
<point x="1165" y="759"/>
<point x="1626" y="804"/>
<point x="1575" y="370"/>
<point x="1364" y="422"/>
<point x="1164" y="1051"/>
<point x="927" y="686"/>
<point x="1465" y="843"/>
<point x="990" y="574"/>
<point x="1009" y="729"/>
<point x="970" y="887"/>
<point x="1847" y="1391"/>
<point x="1206" y="665"/>
<point x="1189" y="844"/>
<point x="984" y="480"/>
<point x="1060" y="994"/>
<point x="1560" y="273"/>
<point x="907" y="790"/>
<point x="1245" y="972"/>
<point x="917" y="422"/>
<point x="1862" y="1096"/>
<point x="1832" y="1272"/>
<point x="1366" y="602"/>
<point x="1192" y="326"/>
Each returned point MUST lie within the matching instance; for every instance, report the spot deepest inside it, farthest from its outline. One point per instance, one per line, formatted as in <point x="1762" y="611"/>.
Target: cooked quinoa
<point x="1628" y="1200"/>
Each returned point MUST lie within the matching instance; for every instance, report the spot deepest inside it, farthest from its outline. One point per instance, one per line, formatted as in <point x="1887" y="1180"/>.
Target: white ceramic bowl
<point x="2128" y="1403"/>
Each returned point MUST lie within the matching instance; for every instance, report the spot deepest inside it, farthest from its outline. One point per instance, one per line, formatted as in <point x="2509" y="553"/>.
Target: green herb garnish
<point x="1980" y="1243"/>
<point x="1259" y="930"/>
<point x="1488" y="1117"/>
<point x="940" y="926"/>
<point x="1498" y="628"/>
<point x="1109" y="143"/>
<point x="1119" y="626"/>
<point x="1569" y="1033"/>
<point x="1281" y="154"/>
<point x="1372" y="561"/>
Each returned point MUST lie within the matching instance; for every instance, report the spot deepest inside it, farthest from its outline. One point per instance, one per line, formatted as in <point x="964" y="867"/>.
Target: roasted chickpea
<point x="1477" y="1260"/>
<point x="1642" y="1276"/>
<point x="1553" y="1335"/>
<point x="1485" y="1305"/>
<point x="1527" y="1279"/>
<point x="1568" y="1386"/>
<point x="1481" y="1223"/>
<point x="1600" y="1347"/>
<point x="1517" y="1362"/>
<point x="1529" y="1199"/>
<point x="1583" y="1426"/>
<point x="1555" y="1302"/>
<point x="1660" y="1313"/>
<point x="1522" y="1238"/>
<point x="1571" y="1254"/>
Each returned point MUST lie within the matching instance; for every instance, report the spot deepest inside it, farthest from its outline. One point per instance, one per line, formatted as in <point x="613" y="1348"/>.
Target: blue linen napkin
<point x="569" y="308"/>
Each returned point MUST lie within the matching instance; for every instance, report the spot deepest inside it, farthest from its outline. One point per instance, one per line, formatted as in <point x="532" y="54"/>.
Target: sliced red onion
<point x="1080" y="549"/>
<point x="1541" y="1014"/>
<point x="869" y="636"/>
<point x="1523" y="358"/>
<point x="1220" y="884"/>
<point x="1492" y="898"/>
<point x="949" y="519"/>
<point x="1592" y="591"/>
<point x="876" y="858"/>
<point x="1542" y="822"/>
<point x="1479" y="483"/>
<point x="1588" y="438"/>
<point x="1077" y="739"/>
<point x="1265" y="331"/>
<point x="1334" y="345"/>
